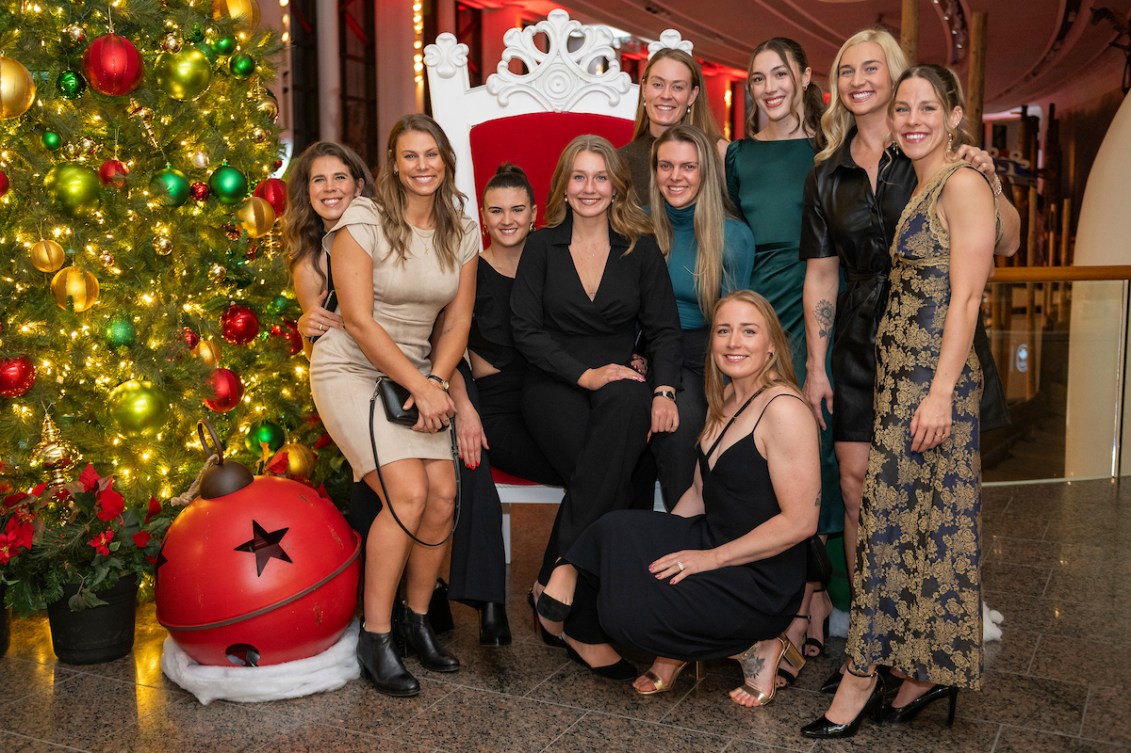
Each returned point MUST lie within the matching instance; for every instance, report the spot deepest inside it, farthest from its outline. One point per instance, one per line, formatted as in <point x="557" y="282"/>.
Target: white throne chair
<point x="572" y="84"/>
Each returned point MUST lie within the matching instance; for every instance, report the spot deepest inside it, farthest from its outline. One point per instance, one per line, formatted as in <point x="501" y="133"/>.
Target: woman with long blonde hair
<point x="670" y="87"/>
<point x="587" y="283"/>
<point x="853" y="199"/>
<point x="403" y="268"/>
<point x="724" y="573"/>
<point x="709" y="253"/>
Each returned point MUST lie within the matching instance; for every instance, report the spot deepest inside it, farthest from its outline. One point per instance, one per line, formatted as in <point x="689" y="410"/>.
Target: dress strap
<point x="737" y="413"/>
<point x="767" y="405"/>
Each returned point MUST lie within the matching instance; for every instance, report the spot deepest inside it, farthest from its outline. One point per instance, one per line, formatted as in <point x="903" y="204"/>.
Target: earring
<point x="396" y="171"/>
<point x="950" y="143"/>
<point x="532" y="226"/>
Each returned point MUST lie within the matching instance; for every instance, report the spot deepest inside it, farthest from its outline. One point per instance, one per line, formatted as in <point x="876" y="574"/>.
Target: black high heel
<point x="554" y="641"/>
<point x="622" y="671"/>
<point x="416" y="636"/>
<point x="824" y="729"/>
<point x="903" y="714"/>
<point x="814" y="642"/>
<point x="382" y="666"/>
<point x="494" y="630"/>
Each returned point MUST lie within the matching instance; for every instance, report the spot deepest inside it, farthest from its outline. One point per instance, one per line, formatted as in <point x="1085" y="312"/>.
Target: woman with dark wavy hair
<point x="587" y="284"/>
<point x="403" y="267"/>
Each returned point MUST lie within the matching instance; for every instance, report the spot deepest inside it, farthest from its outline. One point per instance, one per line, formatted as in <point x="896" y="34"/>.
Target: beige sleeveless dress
<point x="407" y="298"/>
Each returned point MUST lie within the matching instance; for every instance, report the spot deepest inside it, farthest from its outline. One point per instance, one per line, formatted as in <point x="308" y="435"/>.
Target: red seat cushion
<point x="534" y="142"/>
<point x="502" y="477"/>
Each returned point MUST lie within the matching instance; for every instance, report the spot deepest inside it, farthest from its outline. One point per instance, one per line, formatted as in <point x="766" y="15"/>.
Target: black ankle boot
<point x="380" y="664"/>
<point x="494" y="630"/>
<point x="415" y="633"/>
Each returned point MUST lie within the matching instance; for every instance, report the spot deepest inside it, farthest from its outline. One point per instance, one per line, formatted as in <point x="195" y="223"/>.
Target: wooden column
<point x="976" y="79"/>
<point x="909" y="30"/>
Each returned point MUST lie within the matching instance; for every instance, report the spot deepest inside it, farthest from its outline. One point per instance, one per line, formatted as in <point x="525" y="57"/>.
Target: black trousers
<point x="671" y="456"/>
<point x="593" y="439"/>
<point x="513" y="448"/>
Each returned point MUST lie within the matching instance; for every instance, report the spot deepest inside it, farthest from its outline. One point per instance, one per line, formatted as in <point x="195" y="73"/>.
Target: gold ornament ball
<point x="257" y="216"/>
<point x="258" y="135"/>
<point x="184" y="75"/>
<point x="268" y="105"/>
<point x="48" y="256"/>
<point x="171" y="43"/>
<point x="162" y="245"/>
<point x="300" y="459"/>
<point x="217" y="273"/>
<point x="17" y="88"/>
<point x="208" y="351"/>
<point x="74" y="288"/>
<point x="74" y="187"/>
<point x="107" y="259"/>
<point x="199" y="158"/>
<point x="138" y="407"/>
<point x="244" y="12"/>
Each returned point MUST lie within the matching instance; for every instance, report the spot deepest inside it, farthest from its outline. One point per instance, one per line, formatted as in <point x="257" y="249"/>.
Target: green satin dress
<point x="766" y="182"/>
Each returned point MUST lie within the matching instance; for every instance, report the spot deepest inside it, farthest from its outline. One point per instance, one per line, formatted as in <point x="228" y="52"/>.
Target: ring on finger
<point x="680" y="566"/>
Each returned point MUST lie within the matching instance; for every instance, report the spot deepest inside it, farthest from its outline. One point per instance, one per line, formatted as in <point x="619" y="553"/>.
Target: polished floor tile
<point x="1054" y="566"/>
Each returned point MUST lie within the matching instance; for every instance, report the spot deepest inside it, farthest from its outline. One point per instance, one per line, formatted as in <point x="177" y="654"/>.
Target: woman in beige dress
<point x="403" y="267"/>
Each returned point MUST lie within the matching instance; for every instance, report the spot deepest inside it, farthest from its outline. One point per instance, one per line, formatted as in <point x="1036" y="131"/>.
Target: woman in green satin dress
<point x="766" y="174"/>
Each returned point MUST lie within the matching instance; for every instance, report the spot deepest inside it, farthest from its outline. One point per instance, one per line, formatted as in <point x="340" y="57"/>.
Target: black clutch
<point x="818" y="565"/>
<point x="393" y="397"/>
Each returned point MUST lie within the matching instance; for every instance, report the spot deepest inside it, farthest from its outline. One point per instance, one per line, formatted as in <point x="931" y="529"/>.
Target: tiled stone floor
<point x="1056" y="565"/>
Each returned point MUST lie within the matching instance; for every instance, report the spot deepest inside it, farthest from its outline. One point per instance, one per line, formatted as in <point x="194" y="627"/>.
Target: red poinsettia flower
<point x="14" y="499"/>
<point x="141" y="538"/>
<point x="5" y="549"/>
<point x="101" y="542"/>
<point x="154" y="509"/>
<point x="110" y="504"/>
<point x="89" y="478"/>
<point x="20" y="532"/>
<point x="279" y="465"/>
<point x="38" y="490"/>
<point x="322" y="441"/>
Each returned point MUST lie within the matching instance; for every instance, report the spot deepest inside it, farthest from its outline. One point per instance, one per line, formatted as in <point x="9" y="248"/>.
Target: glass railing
<point x="1060" y="341"/>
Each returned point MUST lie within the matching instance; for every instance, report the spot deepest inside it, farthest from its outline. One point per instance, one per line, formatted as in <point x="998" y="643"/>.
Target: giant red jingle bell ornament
<point x="257" y="570"/>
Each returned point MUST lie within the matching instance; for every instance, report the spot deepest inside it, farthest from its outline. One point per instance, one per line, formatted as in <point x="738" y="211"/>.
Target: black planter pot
<point x="5" y="624"/>
<point x="98" y="634"/>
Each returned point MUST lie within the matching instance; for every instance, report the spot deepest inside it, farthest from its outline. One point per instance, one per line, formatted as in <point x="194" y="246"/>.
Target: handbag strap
<point x="381" y="479"/>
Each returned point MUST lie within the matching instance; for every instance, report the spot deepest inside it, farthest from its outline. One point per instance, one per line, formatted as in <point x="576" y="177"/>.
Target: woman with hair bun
<point x="766" y="177"/>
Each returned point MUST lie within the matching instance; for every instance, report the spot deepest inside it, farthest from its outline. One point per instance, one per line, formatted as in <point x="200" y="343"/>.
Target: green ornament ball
<point x="70" y="84"/>
<point x="74" y="188"/>
<point x="278" y="305"/>
<point x="228" y="184"/>
<point x="52" y="140"/>
<point x="137" y="407"/>
<point x="171" y="186"/>
<point x="120" y="332"/>
<point x="183" y="75"/>
<point x="206" y="50"/>
<point x="224" y="45"/>
<point x="241" y="65"/>
<point x="194" y="34"/>
<point x="264" y="431"/>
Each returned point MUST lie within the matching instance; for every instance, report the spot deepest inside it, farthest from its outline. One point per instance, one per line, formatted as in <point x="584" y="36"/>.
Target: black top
<point x="490" y="335"/>
<point x="844" y="217"/>
<point x="637" y="155"/>
<point x="560" y="331"/>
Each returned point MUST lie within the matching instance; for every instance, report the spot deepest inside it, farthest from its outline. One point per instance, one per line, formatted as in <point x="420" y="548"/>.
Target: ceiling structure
<point x="1037" y="50"/>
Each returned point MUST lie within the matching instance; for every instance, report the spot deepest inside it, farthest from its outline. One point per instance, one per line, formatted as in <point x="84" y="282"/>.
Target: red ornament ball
<point x="239" y="325"/>
<point x="226" y="388"/>
<point x="190" y="337"/>
<point x="199" y="191"/>
<point x="17" y="375"/>
<point x="263" y="574"/>
<point x="113" y="173"/>
<point x="3" y="183"/>
<point x="287" y="332"/>
<point x="274" y="191"/>
<point x="112" y="65"/>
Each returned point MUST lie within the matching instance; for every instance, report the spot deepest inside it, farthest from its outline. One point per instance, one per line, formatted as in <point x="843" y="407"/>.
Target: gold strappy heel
<point x="789" y="654"/>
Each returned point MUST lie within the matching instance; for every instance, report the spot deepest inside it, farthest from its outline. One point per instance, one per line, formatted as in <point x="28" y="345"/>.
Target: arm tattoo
<point x="824" y="312"/>
<point x="818" y="502"/>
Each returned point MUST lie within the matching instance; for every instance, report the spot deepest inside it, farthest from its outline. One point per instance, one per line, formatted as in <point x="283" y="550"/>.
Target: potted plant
<point x="79" y="551"/>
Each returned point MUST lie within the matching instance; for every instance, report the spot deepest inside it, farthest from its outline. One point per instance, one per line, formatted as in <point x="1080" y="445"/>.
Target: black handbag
<point x="393" y="397"/>
<point x="818" y="566"/>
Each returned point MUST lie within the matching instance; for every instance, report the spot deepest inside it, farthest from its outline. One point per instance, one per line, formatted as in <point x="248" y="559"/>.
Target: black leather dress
<point x="844" y="217"/>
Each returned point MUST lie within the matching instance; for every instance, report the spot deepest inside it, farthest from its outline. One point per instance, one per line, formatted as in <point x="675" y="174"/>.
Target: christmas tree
<point x="142" y="286"/>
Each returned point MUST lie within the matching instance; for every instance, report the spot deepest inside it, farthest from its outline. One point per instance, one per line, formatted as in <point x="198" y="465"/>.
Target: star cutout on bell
<point x="264" y="546"/>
